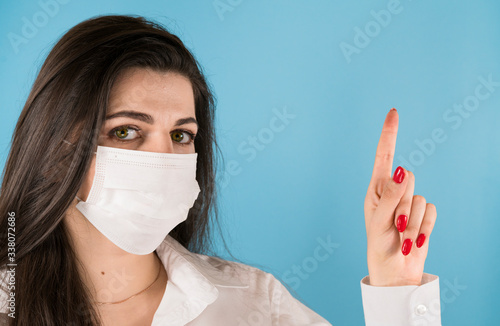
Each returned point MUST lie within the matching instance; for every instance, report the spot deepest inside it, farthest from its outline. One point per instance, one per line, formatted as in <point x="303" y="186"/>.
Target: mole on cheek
<point x="103" y="273"/>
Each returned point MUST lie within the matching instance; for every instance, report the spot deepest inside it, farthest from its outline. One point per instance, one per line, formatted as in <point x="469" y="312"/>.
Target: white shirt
<point x="204" y="290"/>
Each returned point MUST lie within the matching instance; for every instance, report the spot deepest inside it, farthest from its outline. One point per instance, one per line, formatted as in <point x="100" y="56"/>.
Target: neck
<point x="110" y="273"/>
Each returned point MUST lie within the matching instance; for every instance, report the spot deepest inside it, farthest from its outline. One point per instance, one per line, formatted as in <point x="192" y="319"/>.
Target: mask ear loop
<point x="71" y="144"/>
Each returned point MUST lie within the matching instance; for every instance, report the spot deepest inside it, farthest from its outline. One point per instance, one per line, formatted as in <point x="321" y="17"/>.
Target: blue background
<point x="308" y="181"/>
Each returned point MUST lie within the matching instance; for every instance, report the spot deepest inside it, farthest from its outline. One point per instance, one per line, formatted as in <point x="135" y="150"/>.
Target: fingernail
<point x="406" y="246"/>
<point x="393" y="109"/>
<point x="401" y="222"/>
<point x="399" y="175"/>
<point x="420" y="240"/>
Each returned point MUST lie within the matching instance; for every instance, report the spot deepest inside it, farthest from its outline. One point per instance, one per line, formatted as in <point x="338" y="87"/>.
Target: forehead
<point x="145" y="89"/>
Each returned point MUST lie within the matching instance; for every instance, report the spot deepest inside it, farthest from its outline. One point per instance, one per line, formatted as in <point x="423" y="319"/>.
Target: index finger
<point x="382" y="168"/>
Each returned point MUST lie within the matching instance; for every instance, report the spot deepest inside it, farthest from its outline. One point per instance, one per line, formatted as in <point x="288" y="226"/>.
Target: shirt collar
<point x="192" y="284"/>
<point x="211" y="268"/>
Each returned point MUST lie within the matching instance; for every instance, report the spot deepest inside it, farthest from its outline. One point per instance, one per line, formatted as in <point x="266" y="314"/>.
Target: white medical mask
<point x="138" y="197"/>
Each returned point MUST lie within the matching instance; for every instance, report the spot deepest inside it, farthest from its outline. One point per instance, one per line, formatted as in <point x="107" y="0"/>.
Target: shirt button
<point x="420" y="310"/>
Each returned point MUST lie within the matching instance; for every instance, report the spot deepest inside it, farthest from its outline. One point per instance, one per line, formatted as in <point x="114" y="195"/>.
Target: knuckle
<point x="427" y="225"/>
<point x="390" y="192"/>
<point x="411" y="231"/>
<point x="419" y="200"/>
<point x="384" y="157"/>
<point x="393" y="190"/>
<point x="410" y="175"/>
<point x="431" y="209"/>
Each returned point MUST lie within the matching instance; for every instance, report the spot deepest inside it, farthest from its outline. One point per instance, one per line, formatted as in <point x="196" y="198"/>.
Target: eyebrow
<point x="147" y="118"/>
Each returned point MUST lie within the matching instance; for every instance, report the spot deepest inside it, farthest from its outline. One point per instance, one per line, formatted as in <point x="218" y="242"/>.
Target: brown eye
<point x="178" y="136"/>
<point x="122" y="133"/>
<point x="125" y="133"/>
<point x="182" y="137"/>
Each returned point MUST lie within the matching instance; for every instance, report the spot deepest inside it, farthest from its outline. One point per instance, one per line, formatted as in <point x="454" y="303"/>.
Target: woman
<point x="110" y="183"/>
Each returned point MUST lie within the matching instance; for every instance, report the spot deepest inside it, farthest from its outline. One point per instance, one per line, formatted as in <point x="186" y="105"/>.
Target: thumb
<point x="394" y="190"/>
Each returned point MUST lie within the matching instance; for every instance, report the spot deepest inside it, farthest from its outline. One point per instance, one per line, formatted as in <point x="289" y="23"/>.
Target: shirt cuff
<point x="402" y="305"/>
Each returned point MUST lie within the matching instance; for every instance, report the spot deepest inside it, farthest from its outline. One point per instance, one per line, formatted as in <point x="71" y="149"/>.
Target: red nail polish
<point x="407" y="246"/>
<point x="420" y="240"/>
<point x="399" y="175"/>
<point x="402" y="222"/>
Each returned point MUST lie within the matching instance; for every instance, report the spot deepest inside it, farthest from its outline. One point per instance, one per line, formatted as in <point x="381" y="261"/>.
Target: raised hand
<point x="398" y="224"/>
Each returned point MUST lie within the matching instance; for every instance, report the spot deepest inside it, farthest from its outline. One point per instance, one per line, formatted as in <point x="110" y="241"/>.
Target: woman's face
<point x="148" y="111"/>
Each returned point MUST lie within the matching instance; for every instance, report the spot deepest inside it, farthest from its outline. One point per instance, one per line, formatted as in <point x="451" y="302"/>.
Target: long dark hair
<point x="52" y="148"/>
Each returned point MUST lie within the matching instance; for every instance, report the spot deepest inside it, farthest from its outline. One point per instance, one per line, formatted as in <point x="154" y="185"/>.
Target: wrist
<point x="391" y="281"/>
